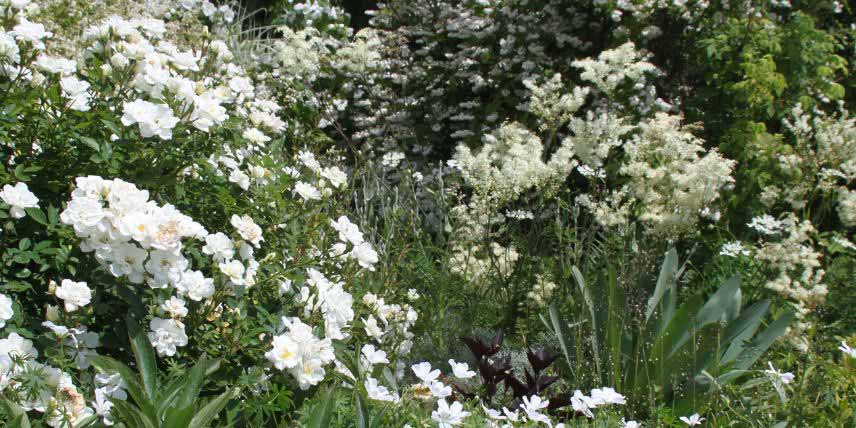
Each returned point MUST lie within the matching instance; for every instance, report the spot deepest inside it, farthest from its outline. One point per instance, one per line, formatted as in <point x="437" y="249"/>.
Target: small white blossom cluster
<point x="671" y="176"/>
<point x="540" y="294"/>
<point x="787" y="248"/>
<point x="477" y="264"/>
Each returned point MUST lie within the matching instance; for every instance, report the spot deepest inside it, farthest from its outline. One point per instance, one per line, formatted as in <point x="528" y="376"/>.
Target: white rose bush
<point x="485" y="213"/>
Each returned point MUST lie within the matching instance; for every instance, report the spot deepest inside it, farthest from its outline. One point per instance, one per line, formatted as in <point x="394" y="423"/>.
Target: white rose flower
<point x="248" y="229"/>
<point x="307" y="191"/>
<point x="19" y="198"/>
<point x="166" y="335"/>
<point x="5" y="310"/>
<point x="74" y="295"/>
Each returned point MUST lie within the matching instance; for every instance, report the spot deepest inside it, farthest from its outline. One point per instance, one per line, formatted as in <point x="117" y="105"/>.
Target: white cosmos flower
<point x="448" y="416"/>
<point x="5" y="310"/>
<point x="74" y="295"/>
<point x="630" y="424"/>
<point x="19" y="198"/>
<point x="461" y="370"/>
<point x="692" y="420"/>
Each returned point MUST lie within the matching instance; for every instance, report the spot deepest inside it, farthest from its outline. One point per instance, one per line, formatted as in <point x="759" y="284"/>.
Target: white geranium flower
<point x="19" y="198"/>
<point x="692" y="420"/>
<point x="166" y="335"/>
<point x="448" y="416"/>
<point x="379" y="392"/>
<point x="847" y="350"/>
<point x="372" y="355"/>
<point x="461" y="370"/>
<point x="74" y="295"/>
<point x="439" y="389"/>
<point x="607" y="396"/>
<point x="424" y="373"/>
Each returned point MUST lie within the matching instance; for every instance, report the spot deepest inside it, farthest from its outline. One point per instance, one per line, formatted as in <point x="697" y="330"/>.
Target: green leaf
<point x="363" y="419"/>
<point x="763" y="341"/>
<point x="581" y="283"/>
<point x="323" y="410"/>
<point x="18" y="414"/>
<point x="132" y="381"/>
<point x="178" y="417"/>
<point x="195" y="378"/>
<point x="38" y="215"/>
<point x="666" y="281"/>
<point x="208" y="412"/>
<point x="557" y="325"/>
<point x="723" y="306"/>
<point x="144" y="355"/>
